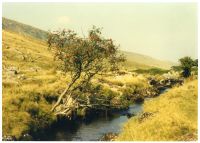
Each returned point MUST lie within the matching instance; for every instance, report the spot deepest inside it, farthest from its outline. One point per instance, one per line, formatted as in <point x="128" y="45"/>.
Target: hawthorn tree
<point x="82" y="58"/>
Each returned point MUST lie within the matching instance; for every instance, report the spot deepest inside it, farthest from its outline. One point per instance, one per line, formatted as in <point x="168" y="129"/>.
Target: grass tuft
<point x="174" y="117"/>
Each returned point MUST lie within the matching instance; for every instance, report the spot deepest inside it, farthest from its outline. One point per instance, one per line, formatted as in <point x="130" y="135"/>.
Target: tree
<point x="186" y="65"/>
<point x="82" y="58"/>
<point x="195" y="63"/>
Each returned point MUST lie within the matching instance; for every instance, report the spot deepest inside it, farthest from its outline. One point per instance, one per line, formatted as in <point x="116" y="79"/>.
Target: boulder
<point x="108" y="137"/>
<point x="12" y="71"/>
<point x="139" y="99"/>
<point x="8" y="138"/>
<point x="129" y="115"/>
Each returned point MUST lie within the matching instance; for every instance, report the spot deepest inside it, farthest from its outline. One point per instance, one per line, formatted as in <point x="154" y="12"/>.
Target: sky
<point x="166" y="31"/>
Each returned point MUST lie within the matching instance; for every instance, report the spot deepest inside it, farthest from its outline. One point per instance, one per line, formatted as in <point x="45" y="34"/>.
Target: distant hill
<point x="144" y="61"/>
<point x="23" y="29"/>
<point x="134" y="60"/>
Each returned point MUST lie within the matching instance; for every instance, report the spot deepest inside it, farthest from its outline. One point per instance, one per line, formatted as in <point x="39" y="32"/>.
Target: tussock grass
<point x="29" y="94"/>
<point x="125" y="80"/>
<point x="174" y="117"/>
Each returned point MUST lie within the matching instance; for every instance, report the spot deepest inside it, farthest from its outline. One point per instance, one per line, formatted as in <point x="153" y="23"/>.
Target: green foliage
<point x="81" y="112"/>
<point x="127" y="92"/>
<point x="152" y="71"/>
<point x="27" y="101"/>
<point x="186" y="64"/>
<point x="83" y="58"/>
<point x="176" y="68"/>
<point x="194" y="70"/>
<point x="79" y="55"/>
<point x="195" y="63"/>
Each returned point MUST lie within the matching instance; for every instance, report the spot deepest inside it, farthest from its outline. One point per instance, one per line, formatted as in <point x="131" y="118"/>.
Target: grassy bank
<point x="31" y="84"/>
<point x="170" y="117"/>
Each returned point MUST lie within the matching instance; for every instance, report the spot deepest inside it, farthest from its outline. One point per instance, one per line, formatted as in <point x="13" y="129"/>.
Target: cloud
<point x="63" y="19"/>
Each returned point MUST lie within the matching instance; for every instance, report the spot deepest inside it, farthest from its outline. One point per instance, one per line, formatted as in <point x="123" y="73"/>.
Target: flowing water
<point x="90" y="130"/>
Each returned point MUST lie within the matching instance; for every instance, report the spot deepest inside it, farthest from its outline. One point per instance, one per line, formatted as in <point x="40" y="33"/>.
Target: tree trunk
<point x="67" y="88"/>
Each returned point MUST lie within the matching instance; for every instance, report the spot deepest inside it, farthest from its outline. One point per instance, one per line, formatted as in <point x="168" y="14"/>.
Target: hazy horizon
<point x="166" y="31"/>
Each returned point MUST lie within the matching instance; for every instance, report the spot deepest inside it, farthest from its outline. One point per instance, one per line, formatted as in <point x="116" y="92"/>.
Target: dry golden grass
<point x="122" y="81"/>
<point x="174" y="117"/>
<point x="26" y="94"/>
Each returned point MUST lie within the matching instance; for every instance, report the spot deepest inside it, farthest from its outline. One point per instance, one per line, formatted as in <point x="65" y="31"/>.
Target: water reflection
<point x="90" y="130"/>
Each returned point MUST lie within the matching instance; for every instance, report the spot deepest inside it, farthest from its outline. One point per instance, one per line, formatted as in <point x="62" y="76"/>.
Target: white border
<point x="98" y="1"/>
<point x="1" y="76"/>
<point x="104" y="1"/>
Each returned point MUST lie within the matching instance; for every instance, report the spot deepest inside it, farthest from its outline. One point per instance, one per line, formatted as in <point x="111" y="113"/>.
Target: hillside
<point x="134" y="60"/>
<point x="31" y="84"/>
<point x="28" y="77"/>
<point x="23" y="29"/>
<point x="144" y="61"/>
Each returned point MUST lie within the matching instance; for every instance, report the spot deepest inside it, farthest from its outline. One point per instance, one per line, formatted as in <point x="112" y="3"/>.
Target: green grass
<point x="174" y="117"/>
<point x="152" y="71"/>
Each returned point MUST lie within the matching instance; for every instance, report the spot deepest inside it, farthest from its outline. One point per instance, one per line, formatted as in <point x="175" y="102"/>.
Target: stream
<point x="89" y="130"/>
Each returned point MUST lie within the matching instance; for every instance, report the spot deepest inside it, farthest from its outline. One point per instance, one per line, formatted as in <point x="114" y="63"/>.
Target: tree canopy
<point x="83" y="57"/>
<point x="186" y="65"/>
